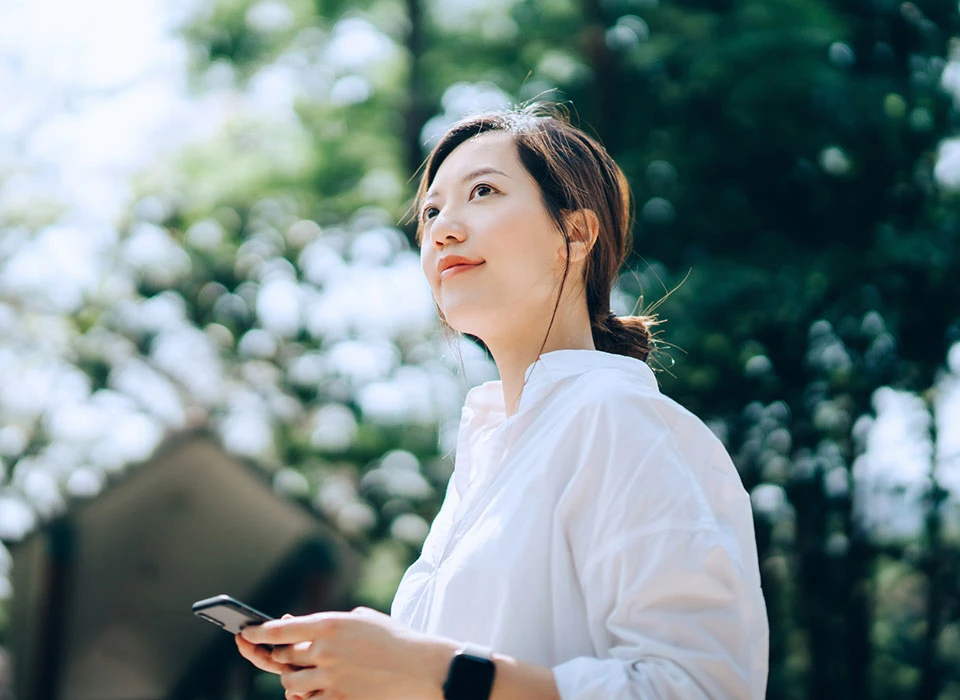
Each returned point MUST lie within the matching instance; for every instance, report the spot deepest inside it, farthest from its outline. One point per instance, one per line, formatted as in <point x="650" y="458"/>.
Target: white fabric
<point x="603" y="532"/>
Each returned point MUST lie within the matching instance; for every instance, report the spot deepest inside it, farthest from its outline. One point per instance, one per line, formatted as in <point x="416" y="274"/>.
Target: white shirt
<point x="601" y="531"/>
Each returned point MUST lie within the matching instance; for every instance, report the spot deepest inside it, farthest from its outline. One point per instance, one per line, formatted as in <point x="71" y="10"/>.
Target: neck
<point x="514" y="355"/>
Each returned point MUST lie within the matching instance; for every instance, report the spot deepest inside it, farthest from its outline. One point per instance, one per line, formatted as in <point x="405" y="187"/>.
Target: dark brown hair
<point x="574" y="173"/>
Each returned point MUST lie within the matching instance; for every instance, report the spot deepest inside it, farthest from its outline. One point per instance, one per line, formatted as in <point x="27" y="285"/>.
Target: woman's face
<point x="484" y="208"/>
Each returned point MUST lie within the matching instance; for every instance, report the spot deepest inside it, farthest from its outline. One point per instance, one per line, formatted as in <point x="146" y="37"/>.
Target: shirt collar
<point x="484" y="403"/>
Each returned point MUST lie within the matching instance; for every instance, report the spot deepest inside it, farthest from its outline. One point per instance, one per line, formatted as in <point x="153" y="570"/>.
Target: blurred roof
<point x="102" y="594"/>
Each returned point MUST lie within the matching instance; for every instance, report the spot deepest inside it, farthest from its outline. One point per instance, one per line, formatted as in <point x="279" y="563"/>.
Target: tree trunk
<point x="606" y="78"/>
<point x="931" y="675"/>
<point x="415" y="115"/>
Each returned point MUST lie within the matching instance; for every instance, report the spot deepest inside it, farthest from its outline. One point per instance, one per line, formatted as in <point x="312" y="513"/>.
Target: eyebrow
<point x="484" y="170"/>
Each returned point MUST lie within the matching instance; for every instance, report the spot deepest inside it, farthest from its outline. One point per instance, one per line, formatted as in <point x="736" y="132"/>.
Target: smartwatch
<point x="471" y="674"/>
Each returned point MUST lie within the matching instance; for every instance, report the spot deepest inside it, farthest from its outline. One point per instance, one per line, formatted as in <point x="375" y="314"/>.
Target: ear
<point x="584" y="227"/>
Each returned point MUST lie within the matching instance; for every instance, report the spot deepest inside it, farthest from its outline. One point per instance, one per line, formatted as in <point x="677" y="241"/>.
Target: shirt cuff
<point x="586" y="678"/>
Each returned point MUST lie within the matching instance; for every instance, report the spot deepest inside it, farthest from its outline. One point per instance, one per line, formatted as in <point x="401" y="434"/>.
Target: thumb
<point x="287" y="616"/>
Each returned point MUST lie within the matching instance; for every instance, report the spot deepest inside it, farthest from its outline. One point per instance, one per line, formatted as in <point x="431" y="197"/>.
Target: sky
<point x="91" y="92"/>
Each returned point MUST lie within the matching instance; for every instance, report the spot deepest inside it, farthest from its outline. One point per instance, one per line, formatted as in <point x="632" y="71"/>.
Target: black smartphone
<point x="229" y="613"/>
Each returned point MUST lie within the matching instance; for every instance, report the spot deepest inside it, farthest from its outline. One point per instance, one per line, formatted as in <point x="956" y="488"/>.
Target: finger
<point x="258" y="656"/>
<point x="298" y="654"/>
<point x="309" y="696"/>
<point x="304" y="681"/>
<point x="293" y="629"/>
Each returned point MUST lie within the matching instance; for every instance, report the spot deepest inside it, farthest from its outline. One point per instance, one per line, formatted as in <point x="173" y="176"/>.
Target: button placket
<point x="473" y="499"/>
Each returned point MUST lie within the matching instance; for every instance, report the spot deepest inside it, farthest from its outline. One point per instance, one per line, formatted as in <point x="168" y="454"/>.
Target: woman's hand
<point x="359" y="655"/>
<point x="259" y="655"/>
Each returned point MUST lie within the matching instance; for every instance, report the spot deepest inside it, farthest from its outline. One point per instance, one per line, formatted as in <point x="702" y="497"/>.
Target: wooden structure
<point x="101" y="607"/>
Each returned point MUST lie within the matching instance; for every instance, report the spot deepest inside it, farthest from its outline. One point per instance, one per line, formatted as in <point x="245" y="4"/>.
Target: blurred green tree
<point x="784" y="158"/>
<point x="782" y="154"/>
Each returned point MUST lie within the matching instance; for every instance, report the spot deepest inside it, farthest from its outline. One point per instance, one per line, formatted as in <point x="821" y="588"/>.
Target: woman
<point x="595" y="537"/>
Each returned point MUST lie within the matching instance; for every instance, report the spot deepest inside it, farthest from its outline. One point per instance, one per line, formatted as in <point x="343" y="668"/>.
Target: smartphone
<point x="229" y="613"/>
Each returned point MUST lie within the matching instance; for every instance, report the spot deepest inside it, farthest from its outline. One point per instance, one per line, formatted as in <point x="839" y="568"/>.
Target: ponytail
<point x="623" y="335"/>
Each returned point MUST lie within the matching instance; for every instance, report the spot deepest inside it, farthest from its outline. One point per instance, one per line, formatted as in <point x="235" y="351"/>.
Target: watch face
<point x="470" y="678"/>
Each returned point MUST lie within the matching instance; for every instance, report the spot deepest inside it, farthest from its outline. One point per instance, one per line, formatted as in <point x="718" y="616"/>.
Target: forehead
<point x="495" y="149"/>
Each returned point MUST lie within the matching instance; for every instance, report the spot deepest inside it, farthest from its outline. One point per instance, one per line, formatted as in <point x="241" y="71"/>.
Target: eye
<point x="429" y="213"/>
<point x="481" y="190"/>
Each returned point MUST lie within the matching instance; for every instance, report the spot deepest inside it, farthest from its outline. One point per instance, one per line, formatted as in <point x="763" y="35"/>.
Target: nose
<point x="446" y="228"/>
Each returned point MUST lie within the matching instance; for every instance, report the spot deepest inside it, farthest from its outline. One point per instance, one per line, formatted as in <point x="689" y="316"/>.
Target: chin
<point x="468" y="320"/>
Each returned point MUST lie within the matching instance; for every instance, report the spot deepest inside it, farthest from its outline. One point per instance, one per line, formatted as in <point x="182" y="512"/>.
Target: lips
<point x="455" y="264"/>
<point x="456" y="269"/>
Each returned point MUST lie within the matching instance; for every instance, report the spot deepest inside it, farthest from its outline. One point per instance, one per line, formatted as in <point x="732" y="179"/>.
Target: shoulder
<point x="605" y="414"/>
<point x="634" y="428"/>
<point x="628" y="446"/>
<point x="631" y="461"/>
<point x="629" y="405"/>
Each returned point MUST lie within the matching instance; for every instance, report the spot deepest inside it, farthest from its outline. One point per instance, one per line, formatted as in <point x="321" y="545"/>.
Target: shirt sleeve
<point x="671" y="610"/>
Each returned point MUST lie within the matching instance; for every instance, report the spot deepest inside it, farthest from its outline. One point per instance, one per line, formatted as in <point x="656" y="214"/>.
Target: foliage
<point x="784" y="158"/>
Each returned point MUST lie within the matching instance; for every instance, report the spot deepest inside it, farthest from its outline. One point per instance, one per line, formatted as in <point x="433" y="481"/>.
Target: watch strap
<point x="477" y="650"/>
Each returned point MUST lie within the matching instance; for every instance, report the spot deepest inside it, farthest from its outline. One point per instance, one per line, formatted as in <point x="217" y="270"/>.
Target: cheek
<point x="544" y="244"/>
<point x="543" y="255"/>
<point x="530" y="274"/>
<point x="428" y="265"/>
